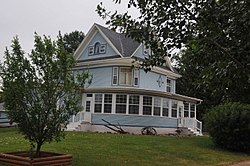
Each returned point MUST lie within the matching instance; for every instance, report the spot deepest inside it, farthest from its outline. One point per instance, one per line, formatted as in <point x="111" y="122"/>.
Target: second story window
<point x="125" y="76"/>
<point x="168" y="85"/>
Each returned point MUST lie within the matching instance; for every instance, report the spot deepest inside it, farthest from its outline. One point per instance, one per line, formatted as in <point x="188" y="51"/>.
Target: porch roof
<point x="131" y="90"/>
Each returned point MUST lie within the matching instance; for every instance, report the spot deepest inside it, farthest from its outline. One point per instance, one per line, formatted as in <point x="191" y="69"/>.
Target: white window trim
<point x="115" y="74"/>
<point x="136" y="74"/>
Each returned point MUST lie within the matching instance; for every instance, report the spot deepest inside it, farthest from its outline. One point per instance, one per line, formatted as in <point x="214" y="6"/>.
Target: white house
<point x="128" y="96"/>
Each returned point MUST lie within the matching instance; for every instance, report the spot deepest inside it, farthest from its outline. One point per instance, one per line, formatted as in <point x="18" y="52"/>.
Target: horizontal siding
<point x="132" y="120"/>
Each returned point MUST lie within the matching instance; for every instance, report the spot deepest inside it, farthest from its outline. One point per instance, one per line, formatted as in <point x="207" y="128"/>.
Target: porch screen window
<point x="107" y="103"/>
<point x="168" y="85"/>
<point x="125" y="76"/>
<point x="165" y="107"/>
<point x="115" y="76"/>
<point x="147" y="105"/>
<point x="134" y="104"/>
<point x="186" y="109"/>
<point x="174" y="109"/>
<point x="192" y="110"/>
<point x="98" y="103"/>
<point x="121" y="102"/>
<point x="157" y="106"/>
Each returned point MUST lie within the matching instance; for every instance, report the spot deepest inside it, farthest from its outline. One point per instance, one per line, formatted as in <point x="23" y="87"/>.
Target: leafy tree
<point x="72" y="40"/>
<point x="40" y="90"/>
<point x="215" y="63"/>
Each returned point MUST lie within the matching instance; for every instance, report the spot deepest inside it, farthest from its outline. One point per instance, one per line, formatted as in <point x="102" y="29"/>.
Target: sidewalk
<point x="243" y="163"/>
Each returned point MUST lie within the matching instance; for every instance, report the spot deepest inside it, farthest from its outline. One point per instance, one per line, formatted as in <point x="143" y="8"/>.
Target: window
<point x="174" y="109"/>
<point x="91" y="50"/>
<point x="147" y="105"/>
<point x="168" y="85"/>
<point x="186" y="109"/>
<point x="146" y="51"/>
<point x="102" y="49"/>
<point x="97" y="48"/>
<point x="125" y="76"/>
<point x="192" y="110"/>
<point x="165" y="107"/>
<point x="157" y="106"/>
<point x="87" y="106"/>
<point x="134" y="104"/>
<point x="98" y="103"/>
<point x="89" y="95"/>
<point x="136" y="77"/>
<point x="121" y="102"/>
<point x="107" y="103"/>
<point x="115" y="76"/>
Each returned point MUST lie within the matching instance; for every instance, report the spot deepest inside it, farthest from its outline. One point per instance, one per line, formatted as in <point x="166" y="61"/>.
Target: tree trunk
<point x="38" y="149"/>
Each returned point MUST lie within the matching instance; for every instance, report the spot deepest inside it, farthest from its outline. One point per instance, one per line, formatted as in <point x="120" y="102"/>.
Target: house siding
<point x="134" y="121"/>
<point x="102" y="77"/>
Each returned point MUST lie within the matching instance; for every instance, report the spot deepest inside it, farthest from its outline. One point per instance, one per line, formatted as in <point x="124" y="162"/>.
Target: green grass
<point x="92" y="149"/>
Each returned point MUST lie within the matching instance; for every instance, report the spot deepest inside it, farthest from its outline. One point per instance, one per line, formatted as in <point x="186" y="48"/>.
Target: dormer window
<point x="145" y="51"/>
<point x="97" y="48"/>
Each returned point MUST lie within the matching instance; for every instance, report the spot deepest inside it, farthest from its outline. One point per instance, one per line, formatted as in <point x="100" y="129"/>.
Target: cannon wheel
<point x="148" y="131"/>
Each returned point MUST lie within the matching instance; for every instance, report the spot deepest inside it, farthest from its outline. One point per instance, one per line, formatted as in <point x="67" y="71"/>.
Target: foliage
<point x="228" y="125"/>
<point x="214" y="36"/>
<point x="114" y="149"/>
<point x="40" y="91"/>
<point x="72" y="40"/>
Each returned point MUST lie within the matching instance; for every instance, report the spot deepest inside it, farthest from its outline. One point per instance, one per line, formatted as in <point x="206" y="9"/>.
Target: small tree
<point x="40" y="91"/>
<point x="229" y="126"/>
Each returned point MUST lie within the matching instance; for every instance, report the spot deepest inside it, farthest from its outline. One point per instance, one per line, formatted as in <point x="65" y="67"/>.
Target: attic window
<point x="146" y="51"/>
<point x="97" y="48"/>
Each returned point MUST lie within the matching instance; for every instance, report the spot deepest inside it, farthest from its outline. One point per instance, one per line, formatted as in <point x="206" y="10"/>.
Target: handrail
<point x="192" y="123"/>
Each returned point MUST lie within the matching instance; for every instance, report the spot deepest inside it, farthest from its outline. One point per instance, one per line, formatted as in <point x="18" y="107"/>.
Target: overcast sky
<point x="24" y="17"/>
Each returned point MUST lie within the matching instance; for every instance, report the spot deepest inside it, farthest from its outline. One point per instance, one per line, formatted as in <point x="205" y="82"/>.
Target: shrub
<point x="229" y="126"/>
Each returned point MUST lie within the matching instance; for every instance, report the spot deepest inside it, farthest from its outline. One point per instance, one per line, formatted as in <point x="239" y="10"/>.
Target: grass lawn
<point x="92" y="149"/>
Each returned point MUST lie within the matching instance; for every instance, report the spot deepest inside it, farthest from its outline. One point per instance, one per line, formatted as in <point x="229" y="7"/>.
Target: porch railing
<point x="192" y="123"/>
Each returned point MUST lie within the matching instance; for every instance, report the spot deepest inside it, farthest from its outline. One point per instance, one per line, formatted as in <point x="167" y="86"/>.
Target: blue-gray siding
<point x="135" y="121"/>
<point x="4" y="121"/>
<point x="102" y="77"/>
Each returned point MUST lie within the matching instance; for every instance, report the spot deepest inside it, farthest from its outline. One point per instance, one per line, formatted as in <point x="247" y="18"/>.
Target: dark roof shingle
<point x="125" y="45"/>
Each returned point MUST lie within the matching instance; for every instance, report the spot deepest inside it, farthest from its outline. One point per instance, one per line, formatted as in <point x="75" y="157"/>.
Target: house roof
<point x="125" y="45"/>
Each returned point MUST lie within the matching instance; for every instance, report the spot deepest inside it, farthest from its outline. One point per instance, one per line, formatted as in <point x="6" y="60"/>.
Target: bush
<point x="229" y="126"/>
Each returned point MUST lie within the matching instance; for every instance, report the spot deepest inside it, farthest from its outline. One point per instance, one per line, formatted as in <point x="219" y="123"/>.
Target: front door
<point x="181" y="115"/>
<point x="88" y="109"/>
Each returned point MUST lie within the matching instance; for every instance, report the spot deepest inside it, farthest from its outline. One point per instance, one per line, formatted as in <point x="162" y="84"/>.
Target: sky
<point x="47" y="17"/>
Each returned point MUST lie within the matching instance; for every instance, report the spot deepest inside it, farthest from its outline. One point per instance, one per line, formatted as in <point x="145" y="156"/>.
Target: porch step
<point x="188" y="131"/>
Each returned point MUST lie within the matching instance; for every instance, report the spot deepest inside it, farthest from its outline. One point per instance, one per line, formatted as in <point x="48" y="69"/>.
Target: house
<point x="128" y="96"/>
<point x="4" y="121"/>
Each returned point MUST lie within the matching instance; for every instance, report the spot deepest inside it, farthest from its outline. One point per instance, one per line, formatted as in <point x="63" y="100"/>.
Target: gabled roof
<point x="125" y="45"/>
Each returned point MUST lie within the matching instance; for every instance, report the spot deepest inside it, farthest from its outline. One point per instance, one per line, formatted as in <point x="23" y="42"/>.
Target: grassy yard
<point x="92" y="149"/>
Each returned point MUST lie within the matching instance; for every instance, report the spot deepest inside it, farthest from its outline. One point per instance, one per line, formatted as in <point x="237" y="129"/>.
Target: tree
<point x="72" y="40"/>
<point x="215" y="37"/>
<point x="40" y="91"/>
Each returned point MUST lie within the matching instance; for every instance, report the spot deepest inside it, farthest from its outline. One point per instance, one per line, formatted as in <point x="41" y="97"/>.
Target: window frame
<point x="121" y="104"/>
<point x="147" y="105"/>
